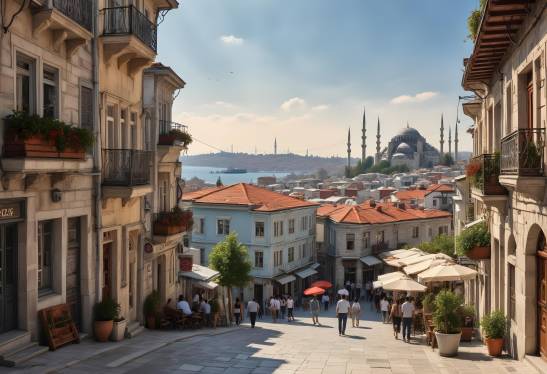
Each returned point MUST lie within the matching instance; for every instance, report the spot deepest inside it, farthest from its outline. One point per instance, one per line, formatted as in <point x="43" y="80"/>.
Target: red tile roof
<point x="259" y="199"/>
<point x="420" y="194"/>
<point x="377" y="213"/>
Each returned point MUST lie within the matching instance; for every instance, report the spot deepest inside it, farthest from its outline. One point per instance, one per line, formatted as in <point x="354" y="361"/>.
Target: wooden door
<point x="107" y="270"/>
<point x="530" y="105"/>
<point x="542" y="296"/>
<point x="73" y="291"/>
<point x="8" y="277"/>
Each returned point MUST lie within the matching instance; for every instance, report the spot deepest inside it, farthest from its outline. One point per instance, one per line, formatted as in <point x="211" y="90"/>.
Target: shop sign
<point x="10" y="211"/>
<point x="185" y="263"/>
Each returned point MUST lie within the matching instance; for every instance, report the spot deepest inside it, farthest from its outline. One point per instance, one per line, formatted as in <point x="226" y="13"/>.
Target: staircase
<point x="16" y="347"/>
<point x="134" y="328"/>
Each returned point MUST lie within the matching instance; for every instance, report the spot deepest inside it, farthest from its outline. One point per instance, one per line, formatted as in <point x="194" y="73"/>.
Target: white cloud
<point x="293" y="103"/>
<point x="320" y="108"/>
<point x="231" y="40"/>
<point x="418" y="98"/>
<point x="224" y="104"/>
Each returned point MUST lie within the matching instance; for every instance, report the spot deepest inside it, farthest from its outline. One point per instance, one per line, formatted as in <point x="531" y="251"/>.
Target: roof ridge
<point x="244" y="187"/>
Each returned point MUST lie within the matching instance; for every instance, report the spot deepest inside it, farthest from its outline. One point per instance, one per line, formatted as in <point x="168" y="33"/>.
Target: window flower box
<point x="173" y="222"/>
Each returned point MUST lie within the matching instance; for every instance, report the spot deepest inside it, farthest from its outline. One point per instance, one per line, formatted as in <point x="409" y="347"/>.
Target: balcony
<point x="70" y="21"/>
<point x="128" y="37"/>
<point x="379" y="247"/>
<point x="168" y="224"/>
<point x="483" y="172"/>
<point x="173" y="138"/>
<point x="126" y="173"/>
<point x="522" y="161"/>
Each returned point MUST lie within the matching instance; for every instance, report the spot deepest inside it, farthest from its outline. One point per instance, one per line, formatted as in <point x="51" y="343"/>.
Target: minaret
<point x="275" y="146"/>
<point x="377" y="160"/>
<point x="364" y="139"/>
<point x="349" y="151"/>
<point x="456" y="143"/>
<point x="442" y="136"/>
<point x="450" y="140"/>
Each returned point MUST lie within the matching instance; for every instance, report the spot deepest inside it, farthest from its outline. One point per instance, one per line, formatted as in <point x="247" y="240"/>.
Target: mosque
<point x="408" y="147"/>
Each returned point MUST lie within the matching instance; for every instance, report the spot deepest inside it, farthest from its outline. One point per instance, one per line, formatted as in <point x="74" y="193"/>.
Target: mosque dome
<point x="397" y="156"/>
<point x="409" y="131"/>
<point x="404" y="149"/>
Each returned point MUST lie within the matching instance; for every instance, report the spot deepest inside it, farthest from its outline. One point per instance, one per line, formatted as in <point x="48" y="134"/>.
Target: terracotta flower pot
<point x="151" y="322"/>
<point x="479" y="253"/>
<point x="102" y="330"/>
<point x="467" y="334"/>
<point x="495" y="346"/>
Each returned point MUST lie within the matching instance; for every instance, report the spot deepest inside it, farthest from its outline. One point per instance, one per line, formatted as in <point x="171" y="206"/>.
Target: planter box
<point x="37" y="147"/>
<point x="167" y="139"/>
<point x="118" y="330"/>
<point x="166" y="229"/>
<point x="479" y="253"/>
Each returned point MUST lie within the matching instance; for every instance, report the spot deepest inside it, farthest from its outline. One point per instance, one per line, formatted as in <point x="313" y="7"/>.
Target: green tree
<point x="230" y="258"/>
<point x="440" y="244"/>
<point x="322" y="174"/>
<point x="447" y="159"/>
<point x="219" y="182"/>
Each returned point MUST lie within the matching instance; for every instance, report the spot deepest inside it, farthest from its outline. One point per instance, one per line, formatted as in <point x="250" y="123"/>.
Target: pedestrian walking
<point x="290" y="308"/>
<point x="238" y="312"/>
<point x="325" y="300"/>
<point x="355" y="313"/>
<point x="384" y="307"/>
<point x="283" y="304"/>
<point x="273" y="309"/>
<point x="395" y="316"/>
<point x="358" y="287"/>
<point x="260" y="309"/>
<point x="377" y="298"/>
<point x="253" y="309"/>
<point x="407" y="311"/>
<point x="315" y="308"/>
<point x="342" y="310"/>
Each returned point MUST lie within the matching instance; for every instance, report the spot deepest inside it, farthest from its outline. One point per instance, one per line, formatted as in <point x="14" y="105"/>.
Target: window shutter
<point x="86" y="108"/>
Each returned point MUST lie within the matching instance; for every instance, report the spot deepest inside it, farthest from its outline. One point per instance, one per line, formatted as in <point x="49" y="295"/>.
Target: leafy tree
<point x="440" y="244"/>
<point x="219" y="182"/>
<point x="230" y="258"/>
<point x="447" y="160"/>
<point x="322" y="174"/>
<point x="369" y="161"/>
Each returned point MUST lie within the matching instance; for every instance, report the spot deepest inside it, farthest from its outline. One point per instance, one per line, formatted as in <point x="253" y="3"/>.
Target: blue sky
<point x="301" y="70"/>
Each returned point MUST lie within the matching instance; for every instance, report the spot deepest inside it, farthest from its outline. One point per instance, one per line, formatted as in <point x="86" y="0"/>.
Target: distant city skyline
<point x="304" y="71"/>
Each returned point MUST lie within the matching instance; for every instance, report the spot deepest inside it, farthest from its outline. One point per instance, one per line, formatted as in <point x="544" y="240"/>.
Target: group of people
<point x="200" y="306"/>
<point x="281" y="306"/>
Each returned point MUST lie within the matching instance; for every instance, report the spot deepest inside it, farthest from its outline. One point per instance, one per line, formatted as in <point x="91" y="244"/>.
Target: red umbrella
<point x="314" y="291"/>
<point x="322" y="284"/>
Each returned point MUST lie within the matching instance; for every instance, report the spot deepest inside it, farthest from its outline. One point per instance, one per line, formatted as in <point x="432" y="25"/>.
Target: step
<point x="134" y="328"/>
<point x="537" y="363"/>
<point x="23" y="354"/>
<point x="13" y="339"/>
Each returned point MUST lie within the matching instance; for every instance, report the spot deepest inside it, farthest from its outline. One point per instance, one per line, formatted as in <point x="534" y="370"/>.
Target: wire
<point x="208" y="145"/>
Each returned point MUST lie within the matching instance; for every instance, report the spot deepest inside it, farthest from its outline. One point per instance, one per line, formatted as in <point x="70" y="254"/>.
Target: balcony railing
<point x="487" y="174"/>
<point x="167" y="126"/>
<point x="379" y="247"/>
<point x="522" y="152"/>
<point x="126" y="167"/>
<point x="80" y="11"/>
<point x="128" y="20"/>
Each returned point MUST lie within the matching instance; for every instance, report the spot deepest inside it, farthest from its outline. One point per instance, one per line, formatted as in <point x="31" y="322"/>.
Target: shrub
<point x="151" y="304"/>
<point x="182" y="136"/>
<point x="429" y="302"/>
<point x="467" y="313"/>
<point x="494" y="325"/>
<point x="474" y="236"/>
<point x="440" y="244"/>
<point x="106" y="310"/>
<point x="446" y="317"/>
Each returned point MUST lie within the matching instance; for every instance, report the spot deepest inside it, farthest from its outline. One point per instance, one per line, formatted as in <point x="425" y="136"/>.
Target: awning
<point x="371" y="260"/>
<point x="284" y="279"/>
<point x="315" y="266"/>
<point x="201" y="273"/>
<point x="207" y="285"/>
<point x="306" y="272"/>
<point x="475" y="222"/>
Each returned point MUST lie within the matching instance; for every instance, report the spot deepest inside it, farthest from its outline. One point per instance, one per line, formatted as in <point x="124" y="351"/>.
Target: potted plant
<point x="104" y="312"/>
<point x="473" y="171"/>
<point x="151" y="309"/>
<point x="175" y="136"/>
<point x="474" y="242"/>
<point x="494" y="325"/>
<point x="447" y="322"/>
<point x="467" y="313"/>
<point x="173" y="222"/>
<point x="429" y="303"/>
<point x="118" y="330"/>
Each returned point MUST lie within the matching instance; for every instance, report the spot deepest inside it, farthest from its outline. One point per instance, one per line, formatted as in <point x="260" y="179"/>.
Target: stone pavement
<point x="296" y="347"/>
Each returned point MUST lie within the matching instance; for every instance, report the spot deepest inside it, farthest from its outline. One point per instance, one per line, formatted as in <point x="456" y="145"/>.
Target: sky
<point x="302" y="71"/>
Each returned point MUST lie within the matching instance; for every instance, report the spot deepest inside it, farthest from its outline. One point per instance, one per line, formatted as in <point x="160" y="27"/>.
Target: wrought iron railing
<point x="486" y="178"/>
<point x="128" y="20"/>
<point x="379" y="247"/>
<point x="522" y="152"/>
<point x="126" y="167"/>
<point x="167" y="126"/>
<point x="80" y="11"/>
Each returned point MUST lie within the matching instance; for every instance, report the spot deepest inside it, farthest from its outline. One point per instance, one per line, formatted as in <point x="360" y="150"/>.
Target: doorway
<point x="73" y="294"/>
<point x="259" y="294"/>
<point x="107" y="270"/>
<point x="542" y="295"/>
<point x="8" y="277"/>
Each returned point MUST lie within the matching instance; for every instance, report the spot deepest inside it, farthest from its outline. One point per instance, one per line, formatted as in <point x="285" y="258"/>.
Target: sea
<point x="210" y="175"/>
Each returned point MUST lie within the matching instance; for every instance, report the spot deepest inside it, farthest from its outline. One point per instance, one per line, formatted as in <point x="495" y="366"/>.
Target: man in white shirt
<point x="205" y="308"/>
<point x="252" y="309"/>
<point x="342" y="310"/>
<point x="184" y="306"/>
<point x="407" y="311"/>
<point x="274" y="308"/>
<point x="290" y="308"/>
<point x="384" y="307"/>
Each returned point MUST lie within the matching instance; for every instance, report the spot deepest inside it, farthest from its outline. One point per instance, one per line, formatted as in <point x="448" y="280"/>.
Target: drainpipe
<point x="97" y="165"/>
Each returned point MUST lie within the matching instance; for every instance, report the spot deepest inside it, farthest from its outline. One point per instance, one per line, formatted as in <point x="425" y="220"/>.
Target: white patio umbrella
<point x="343" y="291"/>
<point x="446" y="273"/>
<point x="423" y="266"/>
<point x="415" y="259"/>
<point x="386" y="278"/>
<point x="404" y="284"/>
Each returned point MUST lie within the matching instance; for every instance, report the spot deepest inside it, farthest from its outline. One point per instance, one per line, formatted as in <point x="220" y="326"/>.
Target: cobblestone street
<point x="298" y="347"/>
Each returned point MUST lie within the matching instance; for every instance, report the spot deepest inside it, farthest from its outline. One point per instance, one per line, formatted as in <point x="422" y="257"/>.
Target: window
<point x="304" y="250"/>
<point x="350" y="242"/>
<point x="278" y="258"/>
<point x="443" y="230"/>
<point x="133" y="130"/>
<point x="111" y="128"/>
<point x="259" y="229"/>
<point x="380" y="237"/>
<point x="223" y="226"/>
<point x="512" y="300"/>
<point x="366" y="239"/>
<point x="278" y="228"/>
<point x="291" y="254"/>
<point x="430" y="232"/>
<point x="444" y="200"/>
<point x="434" y="202"/>
<point x="415" y="231"/>
<point x="259" y="259"/>
<point x="291" y="226"/>
<point x="163" y="191"/>
<point x="45" y="261"/>
<point x="202" y="257"/>
<point x="26" y="86"/>
<point x="201" y="228"/>
<point x="304" y="223"/>
<point x="51" y="92"/>
<point x="147" y="134"/>
<point x="124" y="127"/>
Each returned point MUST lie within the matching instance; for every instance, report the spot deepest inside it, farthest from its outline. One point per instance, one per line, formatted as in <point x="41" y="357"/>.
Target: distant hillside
<point x="279" y="163"/>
